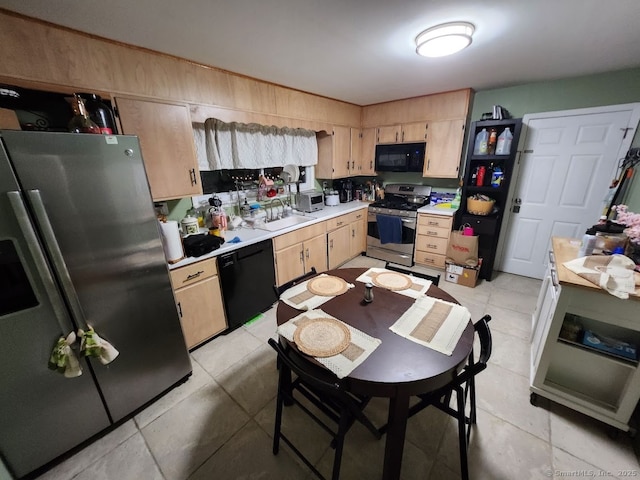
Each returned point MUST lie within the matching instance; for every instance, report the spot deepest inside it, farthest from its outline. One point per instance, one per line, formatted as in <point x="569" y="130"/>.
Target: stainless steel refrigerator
<point x="79" y="247"/>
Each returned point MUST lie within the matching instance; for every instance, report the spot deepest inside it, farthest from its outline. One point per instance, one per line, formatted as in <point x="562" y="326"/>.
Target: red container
<point x="480" y="178"/>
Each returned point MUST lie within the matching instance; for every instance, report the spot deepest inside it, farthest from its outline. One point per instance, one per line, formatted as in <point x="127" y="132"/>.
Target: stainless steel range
<point x="401" y="201"/>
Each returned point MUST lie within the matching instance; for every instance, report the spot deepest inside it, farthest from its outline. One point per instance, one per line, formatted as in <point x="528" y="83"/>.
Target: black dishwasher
<point x="247" y="276"/>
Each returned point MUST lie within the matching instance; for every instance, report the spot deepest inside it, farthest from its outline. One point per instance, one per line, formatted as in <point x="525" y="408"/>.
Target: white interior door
<point x="567" y="163"/>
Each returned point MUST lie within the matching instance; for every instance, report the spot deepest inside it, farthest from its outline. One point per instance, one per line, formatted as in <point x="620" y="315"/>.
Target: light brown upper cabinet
<point x="356" y="151"/>
<point x="403" y="133"/>
<point x="334" y="153"/>
<point x="166" y="140"/>
<point x="367" y="152"/>
<point x="444" y="148"/>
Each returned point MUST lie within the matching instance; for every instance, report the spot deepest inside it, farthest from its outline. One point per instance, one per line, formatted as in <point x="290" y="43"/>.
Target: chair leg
<point x="278" y="424"/>
<point x="462" y="434"/>
<point x="472" y="399"/>
<point x="343" y="427"/>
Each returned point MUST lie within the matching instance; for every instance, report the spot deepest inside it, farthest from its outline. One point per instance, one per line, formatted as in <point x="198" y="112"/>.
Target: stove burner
<point x="397" y="204"/>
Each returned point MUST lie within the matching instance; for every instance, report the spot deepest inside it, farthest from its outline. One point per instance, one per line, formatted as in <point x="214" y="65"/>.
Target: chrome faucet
<point x="271" y="207"/>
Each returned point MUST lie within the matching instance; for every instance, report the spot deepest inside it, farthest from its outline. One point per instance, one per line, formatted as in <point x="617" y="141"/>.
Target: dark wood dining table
<point x="398" y="368"/>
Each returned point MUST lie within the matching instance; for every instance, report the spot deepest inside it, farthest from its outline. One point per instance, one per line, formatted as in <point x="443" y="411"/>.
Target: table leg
<point x="397" y="427"/>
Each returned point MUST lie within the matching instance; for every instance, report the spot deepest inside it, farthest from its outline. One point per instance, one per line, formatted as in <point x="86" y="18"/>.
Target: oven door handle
<point x="408" y="220"/>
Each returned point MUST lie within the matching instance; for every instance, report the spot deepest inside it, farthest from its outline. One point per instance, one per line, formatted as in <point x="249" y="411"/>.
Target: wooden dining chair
<point x="464" y="387"/>
<point x="294" y="282"/>
<point x="328" y="398"/>
<point x="435" y="279"/>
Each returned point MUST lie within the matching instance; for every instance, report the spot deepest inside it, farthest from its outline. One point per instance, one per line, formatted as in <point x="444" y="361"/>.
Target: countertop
<point x="249" y="236"/>
<point x="433" y="210"/>
<point x="566" y="249"/>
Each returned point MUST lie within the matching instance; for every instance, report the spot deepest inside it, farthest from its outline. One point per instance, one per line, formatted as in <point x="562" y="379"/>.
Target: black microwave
<point x="400" y="157"/>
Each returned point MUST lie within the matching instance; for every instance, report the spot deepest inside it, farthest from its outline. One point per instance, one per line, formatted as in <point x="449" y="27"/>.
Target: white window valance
<point x="234" y="145"/>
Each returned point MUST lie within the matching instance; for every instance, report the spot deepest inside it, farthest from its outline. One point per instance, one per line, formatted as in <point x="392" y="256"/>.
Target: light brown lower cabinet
<point x="338" y="246"/>
<point x="295" y="253"/>
<point x="432" y="238"/>
<point x="346" y="237"/>
<point x="199" y="301"/>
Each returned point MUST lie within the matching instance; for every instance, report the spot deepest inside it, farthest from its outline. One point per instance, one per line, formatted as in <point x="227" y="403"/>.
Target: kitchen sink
<point x="285" y="222"/>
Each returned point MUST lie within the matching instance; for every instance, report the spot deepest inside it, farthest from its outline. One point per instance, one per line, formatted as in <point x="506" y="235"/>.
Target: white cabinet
<point x="545" y="309"/>
<point x="604" y="385"/>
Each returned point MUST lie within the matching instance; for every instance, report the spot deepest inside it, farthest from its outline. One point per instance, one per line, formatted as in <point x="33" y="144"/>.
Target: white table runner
<point x="433" y="323"/>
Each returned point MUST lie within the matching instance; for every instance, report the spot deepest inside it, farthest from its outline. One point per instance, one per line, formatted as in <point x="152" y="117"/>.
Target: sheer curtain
<point x="235" y="145"/>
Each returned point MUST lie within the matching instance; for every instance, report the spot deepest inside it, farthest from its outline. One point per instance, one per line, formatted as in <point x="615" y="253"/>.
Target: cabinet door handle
<point x="307" y="253"/>
<point x="371" y="164"/>
<point x="428" y="163"/>
<point x="429" y="232"/>
<point x="194" y="275"/>
<point x="192" y="175"/>
<point x="331" y="243"/>
<point x="301" y="256"/>
<point x="180" y="309"/>
<point x="353" y="232"/>
<point x="432" y="223"/>
<point x="403" y="135"/>
<point x="353" y="164"/>
<point x="339" y="224"/>
<point x="429" y="245"/>
<point x="347" y="165"/>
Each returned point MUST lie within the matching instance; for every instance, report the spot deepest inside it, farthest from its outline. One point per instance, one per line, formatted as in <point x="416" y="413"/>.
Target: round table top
<point x="398" y="363"/>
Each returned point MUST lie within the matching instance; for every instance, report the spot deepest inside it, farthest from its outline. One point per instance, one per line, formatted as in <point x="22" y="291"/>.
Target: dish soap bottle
<point x="481" y="145"/>
<point x="504" y="142"/>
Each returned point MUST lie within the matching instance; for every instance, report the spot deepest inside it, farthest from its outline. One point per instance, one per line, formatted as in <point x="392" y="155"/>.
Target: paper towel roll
<point x="171" y="241"/>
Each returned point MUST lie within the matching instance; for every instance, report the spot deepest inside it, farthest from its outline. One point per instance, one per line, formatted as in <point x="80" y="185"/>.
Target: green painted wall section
<point x="609" y="88"/>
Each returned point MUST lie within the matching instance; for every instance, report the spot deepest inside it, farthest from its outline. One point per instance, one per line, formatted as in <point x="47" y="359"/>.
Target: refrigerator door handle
<point x="55" y="253"/>
<point x="59" y="310"/>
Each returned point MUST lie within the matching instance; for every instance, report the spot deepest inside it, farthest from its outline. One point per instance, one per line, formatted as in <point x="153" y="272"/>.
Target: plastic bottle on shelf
<point x="474" y="176"/>
<point x="504" y="142"/>
<point x="493" y="138"/>
<point x="496" y="177"/>
<point x="481" y="145"/>
<point x="480" y="176"/>
<point x="488" y="175"/>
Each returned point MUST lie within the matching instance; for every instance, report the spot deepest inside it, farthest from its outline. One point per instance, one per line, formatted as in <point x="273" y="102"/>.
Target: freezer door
<point x="91" y="202"/>
<point x="42" y="413"/>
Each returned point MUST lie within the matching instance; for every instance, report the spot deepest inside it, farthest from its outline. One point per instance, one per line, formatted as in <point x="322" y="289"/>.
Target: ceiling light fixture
<point x="444" y="39"/>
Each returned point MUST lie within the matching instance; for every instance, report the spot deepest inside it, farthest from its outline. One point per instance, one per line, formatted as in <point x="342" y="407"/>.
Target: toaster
<point x="310" y="201"/>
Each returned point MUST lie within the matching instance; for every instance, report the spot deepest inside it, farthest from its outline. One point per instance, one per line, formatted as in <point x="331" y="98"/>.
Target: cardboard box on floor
<point x="462" y="274"/>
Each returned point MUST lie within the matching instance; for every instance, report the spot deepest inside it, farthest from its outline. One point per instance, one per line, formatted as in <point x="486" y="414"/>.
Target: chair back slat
<point x="435" y="279"/>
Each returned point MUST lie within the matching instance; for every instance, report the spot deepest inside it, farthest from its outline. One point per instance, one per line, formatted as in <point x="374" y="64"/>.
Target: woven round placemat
<point x="391" y="280"/>
<point x="322" y="337"/>
<point x="327" y="286"/>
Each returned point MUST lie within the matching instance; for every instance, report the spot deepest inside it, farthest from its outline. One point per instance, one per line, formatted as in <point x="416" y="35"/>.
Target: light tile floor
<point x="218" y="425"/>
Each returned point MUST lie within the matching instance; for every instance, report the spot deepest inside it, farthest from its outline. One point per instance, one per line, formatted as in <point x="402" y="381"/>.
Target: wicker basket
<point x="479" y="207"/>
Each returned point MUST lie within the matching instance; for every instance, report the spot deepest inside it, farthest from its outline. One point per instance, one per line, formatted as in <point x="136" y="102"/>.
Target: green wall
<point x="609" y="88"/>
